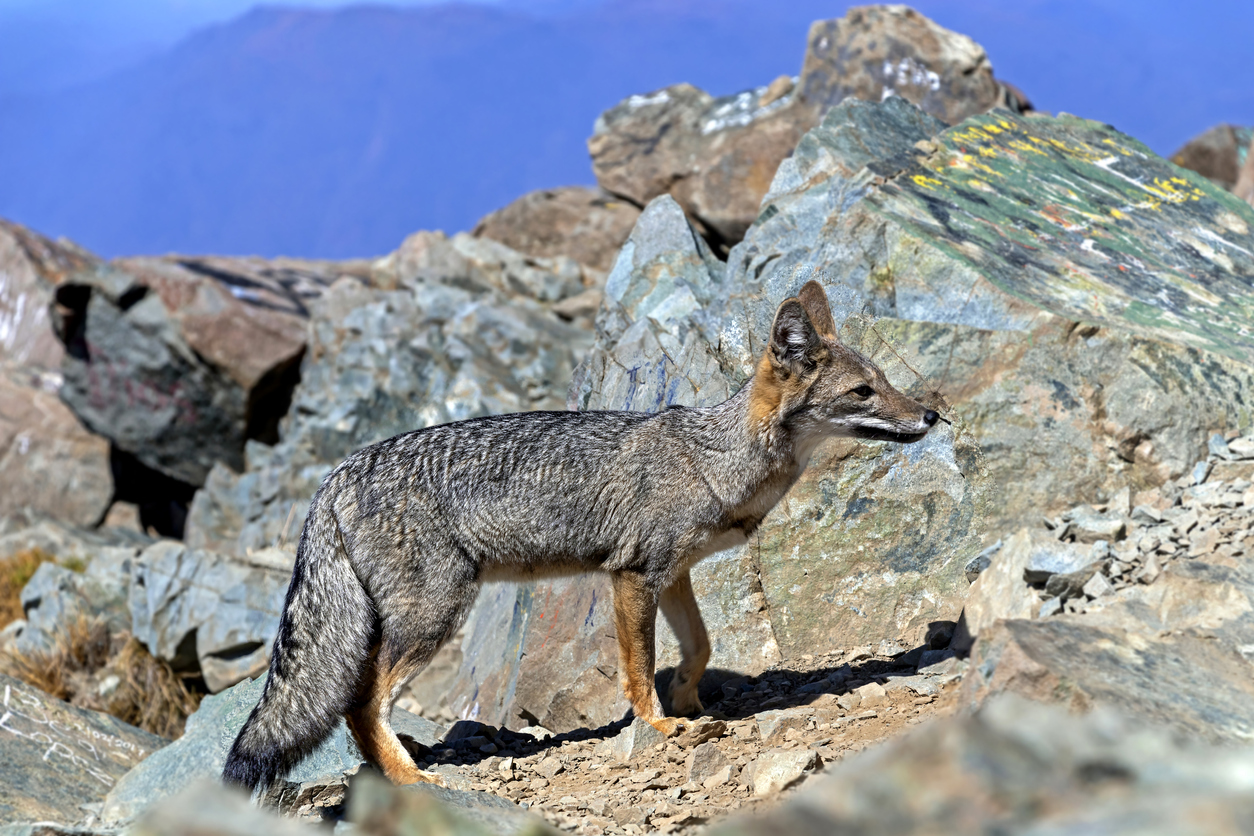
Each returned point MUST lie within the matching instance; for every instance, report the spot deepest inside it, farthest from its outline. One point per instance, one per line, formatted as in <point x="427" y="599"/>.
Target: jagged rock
<point x="1049" y="557"/>
<point x="716" y="156"/>
<point x="179" y="360"/>
<point x="1019" y="767"/>
<point x="201" y="610"/>
<point x="705" y="761"/>
<point x="775" y="769"/>
<point x="463" y="333"/>
<point x="200" y="753"/>
<point x="1089" y="526"/>
<point x="585" y="224"/>
<point x="1217" y="153"/>
<point x="1170" y="652"/>
<point x="48" y="462"/>
<point x="55" y="596"/>
<point x="31" y="267"/>
<point x="55" y="757"/>
<point x="772" y="725"/>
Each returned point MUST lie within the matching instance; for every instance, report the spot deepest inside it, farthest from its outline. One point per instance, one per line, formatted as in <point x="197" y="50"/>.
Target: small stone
<point x="890" y="649"/>
<point x="701" y="731"/>
<point x="1053" y="605"/>
<point x="981" y="561"/>
<point x="634" y="740"/>
<point x="1121" y="502"/>
<point x="775" y="769"/>
<point x="1200" y="471"/>
<point x="1048" y="558"/>
<point x="550" y="766"/>
<point x="1098" y="586"/>
<point x="1242" y="448"/>
<point x="645" y="776"/>
<point x="704" y="761"/>
<point x="773" y="725"/>
<point x="872" y="694"/>
<point x="849" y="701"/>
<point x="1088" y="526"/>
<point x="1145" y="515"/>
<point x="720" y="778"/>
<point x="506" y="768"/>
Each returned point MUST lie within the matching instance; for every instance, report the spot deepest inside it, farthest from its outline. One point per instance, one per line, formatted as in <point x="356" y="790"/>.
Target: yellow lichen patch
<point x="926" y="182"/>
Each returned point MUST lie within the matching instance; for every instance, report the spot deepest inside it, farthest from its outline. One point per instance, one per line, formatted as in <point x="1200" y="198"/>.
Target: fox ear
<point x="814" y="299"/>
<point x="793" y="339"/>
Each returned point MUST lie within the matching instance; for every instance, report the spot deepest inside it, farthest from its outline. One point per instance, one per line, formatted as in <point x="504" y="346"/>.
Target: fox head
<point x="808" y="381"/>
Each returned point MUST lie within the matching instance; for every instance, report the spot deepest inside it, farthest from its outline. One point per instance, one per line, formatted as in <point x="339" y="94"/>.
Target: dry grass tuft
<point x="16" y="570"/>
<point x="117" y="675"/>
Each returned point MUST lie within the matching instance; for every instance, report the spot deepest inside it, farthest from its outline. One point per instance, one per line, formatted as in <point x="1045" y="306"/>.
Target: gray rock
<point x="1217" y="446"/>
<point x="1097" y="586"/>
<point x="1200" y="471"/>
<point x="55" y="596"/>
<point x="1242" y="448"/>
<point x="1051" y="607"/>
<point x="777" y="769"/>
<point x="1089" y="526"/>
<point x="1145" y="515"/>
<point x="201" y="752"/>
<point x="1001" y="591"/>
<point x="1021" y="767"/>
<point x="207" y="807"/>
<point x="705" y="761"/>
<point x="1050" y="557"/>
<point x="634" y="740"/>
<point x="203" y="611"/>
<point x="772" y="725"/>
<point x="55" y="757"/>
<point x="981" y="561"/>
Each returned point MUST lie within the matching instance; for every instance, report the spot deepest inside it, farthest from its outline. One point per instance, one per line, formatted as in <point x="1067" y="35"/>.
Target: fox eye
<point x="863" y="391"/>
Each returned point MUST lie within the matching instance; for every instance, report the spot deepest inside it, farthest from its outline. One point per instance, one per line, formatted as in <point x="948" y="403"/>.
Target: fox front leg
<point x="635" y="617"/>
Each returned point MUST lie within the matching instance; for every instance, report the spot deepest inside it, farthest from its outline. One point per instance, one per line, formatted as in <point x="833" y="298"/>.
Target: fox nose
<point x="930" y="418"/>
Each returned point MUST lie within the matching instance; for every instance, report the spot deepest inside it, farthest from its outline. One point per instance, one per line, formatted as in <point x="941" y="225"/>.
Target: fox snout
<point x="825" y="387"/>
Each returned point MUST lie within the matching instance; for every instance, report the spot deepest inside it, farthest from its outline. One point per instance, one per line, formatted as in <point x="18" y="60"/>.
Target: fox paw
<point x="669" y="726"/>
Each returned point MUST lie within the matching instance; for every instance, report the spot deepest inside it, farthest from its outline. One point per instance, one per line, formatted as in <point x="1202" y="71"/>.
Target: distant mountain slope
<point x="335" y="133"/>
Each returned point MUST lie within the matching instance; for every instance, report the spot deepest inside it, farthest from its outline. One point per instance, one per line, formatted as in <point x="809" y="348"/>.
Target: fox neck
<point x="755" y="444"/>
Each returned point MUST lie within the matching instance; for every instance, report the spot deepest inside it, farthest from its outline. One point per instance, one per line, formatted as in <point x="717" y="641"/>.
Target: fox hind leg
<point x="370" y="722"/>
<point x="679" y="605"/>
<point x="635" y="614"/>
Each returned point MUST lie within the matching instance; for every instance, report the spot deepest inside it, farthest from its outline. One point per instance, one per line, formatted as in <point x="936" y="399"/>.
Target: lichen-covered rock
<point x="467" y="330"/>
<point x="55" y="757"/>
<point x="588" y="225"/>
<point x="717" y="156"/>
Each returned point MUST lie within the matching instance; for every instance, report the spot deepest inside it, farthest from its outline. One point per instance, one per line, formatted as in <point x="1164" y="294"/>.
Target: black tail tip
<point x="248" y="772"/>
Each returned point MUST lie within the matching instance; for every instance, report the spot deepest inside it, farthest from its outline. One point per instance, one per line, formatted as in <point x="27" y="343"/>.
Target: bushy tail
<point x="321" y="649"/>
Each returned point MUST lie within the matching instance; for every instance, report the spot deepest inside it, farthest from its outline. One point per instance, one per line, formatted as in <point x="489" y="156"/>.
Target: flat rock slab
<point x="55" y="757"/>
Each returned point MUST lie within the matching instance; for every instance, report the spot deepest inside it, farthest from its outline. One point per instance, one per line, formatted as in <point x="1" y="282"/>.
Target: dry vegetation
<point x="91" y="667"/>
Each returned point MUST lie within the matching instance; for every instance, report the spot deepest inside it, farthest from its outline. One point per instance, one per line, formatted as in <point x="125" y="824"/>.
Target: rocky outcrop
<point x="48" y="462"/>
<point x="1018" y="767"/>
<point x="1158" y="620"/>
<point x="588" y="225"/>
<point x="468" y="329"/>
<point x="179" y="361"/>
<point x="717" y="156"/>
<point x="54" y="757"/>
<point x="1217" y="154"/>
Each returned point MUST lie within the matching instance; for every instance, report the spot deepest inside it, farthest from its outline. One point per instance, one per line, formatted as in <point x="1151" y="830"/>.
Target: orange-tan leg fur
<point x="679" y="605"/>
<point x="635" y="613"/>
<point x="370" y="723"/>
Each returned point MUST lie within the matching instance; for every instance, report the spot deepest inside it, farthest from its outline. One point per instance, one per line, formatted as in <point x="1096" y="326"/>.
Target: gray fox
<point x="400" y="536"/>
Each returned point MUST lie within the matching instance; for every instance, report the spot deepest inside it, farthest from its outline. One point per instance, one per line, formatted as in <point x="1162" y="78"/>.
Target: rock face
<point x="588" y="225"/>
<point x="178" y="361"/>
<point x="467" y="330"/>
<point x="1217" y="154"/>
<point x="48" y="462"/>
<point x="203" y="611"/>
<point x="717" y="156"/>
<point x="1159" y="624"/>
<point x="1018" y="767"/>
<point x="200" y="753"/>
<point x="55" y="757"/>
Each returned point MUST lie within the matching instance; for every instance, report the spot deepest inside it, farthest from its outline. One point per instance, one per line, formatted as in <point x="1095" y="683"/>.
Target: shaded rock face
<point x="873" y="540"/>
<point x="717" y="156"/>
<point x="467" y="330"/>
<point x="588" y="225"/>
<point x="55" y="757"/>
<point x="1217" y="154"/>
<point x="48" y="461"/>
<point x="1017" y="766"/>
<point x="178" y="361"/>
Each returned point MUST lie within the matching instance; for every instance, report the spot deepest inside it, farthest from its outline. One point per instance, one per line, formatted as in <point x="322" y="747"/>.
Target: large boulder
<point x="179" y="361"/>
<point x="55" y="758"/>
<point x="1217" y="154"/>
<point x="588" y="225"/>
<point x="717" y="156"/>
<point x="468" y="329"/>
<point x="977" y="290"/>
<point x="48" y="462"/>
